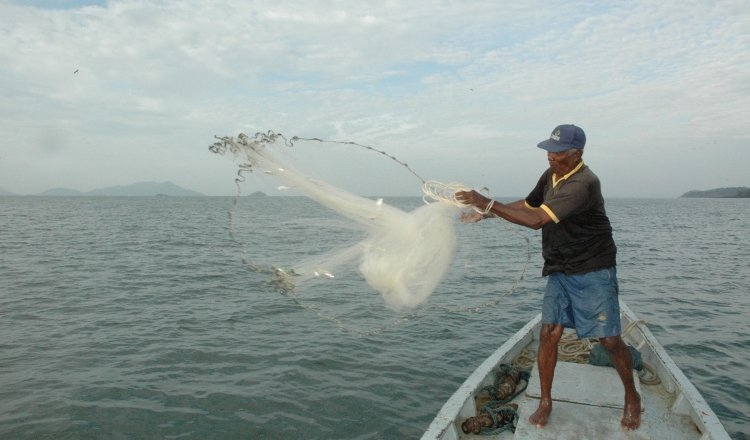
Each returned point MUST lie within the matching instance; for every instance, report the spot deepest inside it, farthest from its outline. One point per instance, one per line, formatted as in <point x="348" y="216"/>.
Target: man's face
<point x="563" y="162"/>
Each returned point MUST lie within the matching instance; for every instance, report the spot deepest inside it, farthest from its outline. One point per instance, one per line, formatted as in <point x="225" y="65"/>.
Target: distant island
<point x="734" y="192"/>
<point x="140" y="189"/>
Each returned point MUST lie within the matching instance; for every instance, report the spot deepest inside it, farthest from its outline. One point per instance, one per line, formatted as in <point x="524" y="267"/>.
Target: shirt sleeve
<point x="536" y="196"/>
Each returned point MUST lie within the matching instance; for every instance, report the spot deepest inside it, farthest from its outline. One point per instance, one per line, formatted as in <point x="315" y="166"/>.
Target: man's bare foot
<point x="540" y="417"/>
<point x="631" y="415"/>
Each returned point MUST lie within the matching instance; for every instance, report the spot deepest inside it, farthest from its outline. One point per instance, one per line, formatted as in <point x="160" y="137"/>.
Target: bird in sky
<point x="75" y="72"/>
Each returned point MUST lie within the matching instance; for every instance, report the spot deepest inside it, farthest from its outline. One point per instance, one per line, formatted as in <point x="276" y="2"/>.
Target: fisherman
<point x="579" y="262"/>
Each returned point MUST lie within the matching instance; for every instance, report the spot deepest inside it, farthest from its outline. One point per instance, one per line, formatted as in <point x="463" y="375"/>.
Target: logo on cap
<point x="564" y="137"/>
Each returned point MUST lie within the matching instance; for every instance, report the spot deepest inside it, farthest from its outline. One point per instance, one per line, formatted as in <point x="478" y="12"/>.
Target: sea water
<point x="137" y="318"/>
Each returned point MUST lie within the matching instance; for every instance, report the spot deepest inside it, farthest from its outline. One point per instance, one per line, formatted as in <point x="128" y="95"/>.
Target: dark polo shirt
<point x="579" y="239"/>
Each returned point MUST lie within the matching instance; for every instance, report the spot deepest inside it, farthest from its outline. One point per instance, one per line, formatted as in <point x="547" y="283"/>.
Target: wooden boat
<point x="587" y="399"/>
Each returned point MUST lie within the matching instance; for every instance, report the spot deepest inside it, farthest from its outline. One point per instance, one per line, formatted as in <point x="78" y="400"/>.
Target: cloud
<point x="454" y="88"/>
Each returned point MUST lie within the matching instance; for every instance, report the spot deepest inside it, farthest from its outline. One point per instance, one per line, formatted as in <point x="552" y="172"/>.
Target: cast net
<point x="402" y="255"/>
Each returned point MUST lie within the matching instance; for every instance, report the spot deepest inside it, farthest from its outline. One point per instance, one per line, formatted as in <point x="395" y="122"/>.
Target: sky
<point x="105" y="93"/>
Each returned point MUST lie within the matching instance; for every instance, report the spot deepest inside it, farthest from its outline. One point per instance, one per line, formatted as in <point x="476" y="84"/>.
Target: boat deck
<point x="594" y="411"/>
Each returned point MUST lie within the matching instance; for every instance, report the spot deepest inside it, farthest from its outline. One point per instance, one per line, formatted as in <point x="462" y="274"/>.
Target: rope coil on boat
<point x="569" y="349"/>
<point x="579" y="351"/>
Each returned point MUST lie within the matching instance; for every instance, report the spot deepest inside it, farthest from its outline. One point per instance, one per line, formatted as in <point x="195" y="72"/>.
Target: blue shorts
<point x="587" y="302"/>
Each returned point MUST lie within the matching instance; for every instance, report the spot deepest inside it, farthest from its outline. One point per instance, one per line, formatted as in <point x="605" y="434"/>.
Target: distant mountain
<point x="5" y="193"/>
<point x="734" y="192"/>
<point x="144" y="189"/>
<point x="140" y="189"/>
<point x="63" y="192"/>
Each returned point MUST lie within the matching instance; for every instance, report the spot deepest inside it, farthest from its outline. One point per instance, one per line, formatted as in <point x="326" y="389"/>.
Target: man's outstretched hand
<point x="473" y="199"/>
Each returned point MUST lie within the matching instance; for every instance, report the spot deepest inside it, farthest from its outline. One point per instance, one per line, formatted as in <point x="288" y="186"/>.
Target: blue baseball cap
<point x="564" y="137"/>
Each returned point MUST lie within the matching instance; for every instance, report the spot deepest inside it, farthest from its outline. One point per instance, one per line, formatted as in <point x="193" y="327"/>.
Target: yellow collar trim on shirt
<point x="555" y="180"/>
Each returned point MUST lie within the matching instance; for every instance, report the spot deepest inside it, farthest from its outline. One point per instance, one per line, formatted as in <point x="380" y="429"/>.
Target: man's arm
<point x="517" y="204"/>
<point x="516" y="212"/>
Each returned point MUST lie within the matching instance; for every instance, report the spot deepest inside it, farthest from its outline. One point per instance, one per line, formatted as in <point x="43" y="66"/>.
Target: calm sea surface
<point x="136" y="317"/>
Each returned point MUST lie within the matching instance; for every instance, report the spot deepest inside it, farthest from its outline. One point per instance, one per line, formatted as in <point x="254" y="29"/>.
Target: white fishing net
<point x="403" y="256"/>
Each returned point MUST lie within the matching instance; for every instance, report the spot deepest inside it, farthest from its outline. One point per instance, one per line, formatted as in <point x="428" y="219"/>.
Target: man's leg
<point x="622" y="362"/>
<point x="549" y="336"/>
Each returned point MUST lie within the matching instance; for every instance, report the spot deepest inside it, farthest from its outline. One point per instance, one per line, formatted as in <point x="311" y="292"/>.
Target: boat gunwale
<point x="697" y="408"/>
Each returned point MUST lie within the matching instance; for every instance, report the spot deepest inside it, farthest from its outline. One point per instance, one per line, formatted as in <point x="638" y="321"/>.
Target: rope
<point x="575" y="350"/>
<point x="569" y="349"/>
<point x="446" y="193"/>
<point x="367" y="147"/>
